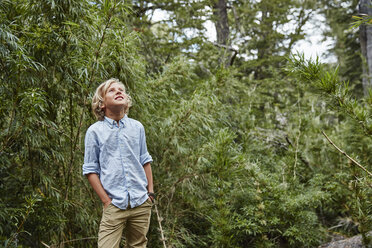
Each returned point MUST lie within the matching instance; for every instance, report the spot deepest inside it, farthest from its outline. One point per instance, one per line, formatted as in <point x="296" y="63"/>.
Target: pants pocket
<point x="149" y="202"/>
<point x="106" y="209"/>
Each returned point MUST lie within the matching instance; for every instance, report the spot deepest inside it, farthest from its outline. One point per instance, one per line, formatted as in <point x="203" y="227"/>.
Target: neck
<point x="115" y="115"/>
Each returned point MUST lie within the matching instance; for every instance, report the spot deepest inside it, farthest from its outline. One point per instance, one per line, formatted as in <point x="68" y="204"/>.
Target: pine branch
<point x="345" y="154"/>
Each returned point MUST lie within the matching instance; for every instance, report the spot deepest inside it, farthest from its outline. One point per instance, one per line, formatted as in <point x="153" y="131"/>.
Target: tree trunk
<point x="222" y="28"/>
<point x="365" y="7"/>
<point x="221" y="21"/>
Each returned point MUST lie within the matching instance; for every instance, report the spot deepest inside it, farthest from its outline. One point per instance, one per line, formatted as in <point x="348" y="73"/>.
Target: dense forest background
<point x="237" y="127"/>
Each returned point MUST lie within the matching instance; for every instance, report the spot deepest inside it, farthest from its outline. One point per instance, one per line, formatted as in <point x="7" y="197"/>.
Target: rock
<point x="353" y="242"/>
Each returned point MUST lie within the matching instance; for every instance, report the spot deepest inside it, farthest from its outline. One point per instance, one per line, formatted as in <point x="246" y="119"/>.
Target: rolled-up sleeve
<point x="91" y="154"/>
<point x="145" y="157"/>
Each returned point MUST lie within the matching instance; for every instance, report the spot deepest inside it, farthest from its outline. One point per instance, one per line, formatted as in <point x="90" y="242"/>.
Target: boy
<point x="117" y="165"/>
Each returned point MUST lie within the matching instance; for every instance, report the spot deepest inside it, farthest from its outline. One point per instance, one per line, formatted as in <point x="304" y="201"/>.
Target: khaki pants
<point x="135" y="222"/>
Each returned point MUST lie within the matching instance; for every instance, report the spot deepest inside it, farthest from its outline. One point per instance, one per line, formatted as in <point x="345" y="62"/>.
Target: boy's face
<point x="115" y="97"/>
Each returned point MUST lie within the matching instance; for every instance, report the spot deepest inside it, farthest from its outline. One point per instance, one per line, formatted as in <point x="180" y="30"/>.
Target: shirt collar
<point x="112" y="123"/>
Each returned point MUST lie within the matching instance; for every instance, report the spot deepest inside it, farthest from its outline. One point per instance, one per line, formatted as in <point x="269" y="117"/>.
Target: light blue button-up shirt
<point x="117" y="154"/>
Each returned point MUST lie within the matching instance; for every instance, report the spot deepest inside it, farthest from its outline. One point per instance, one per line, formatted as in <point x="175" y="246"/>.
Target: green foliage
<point x="339" y="96"/>
<point x="360" y="20"/>
<point x="18" y="217"/>
<point x="338" y="91"/>
<point x="238" y="156"/>
<point x="53" y="53"/>
<point x="206" y="172"/>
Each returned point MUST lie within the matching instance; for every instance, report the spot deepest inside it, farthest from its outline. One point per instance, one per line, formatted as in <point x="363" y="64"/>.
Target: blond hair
<point x="100" y="94"/>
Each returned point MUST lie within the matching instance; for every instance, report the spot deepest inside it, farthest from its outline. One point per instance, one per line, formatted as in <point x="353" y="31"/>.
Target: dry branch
<point x="67" y="241"/>
<point x="160" y="227"/>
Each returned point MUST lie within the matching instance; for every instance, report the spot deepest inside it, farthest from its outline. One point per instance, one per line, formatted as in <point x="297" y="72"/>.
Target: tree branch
<point x="344" y="153"/>
<point x="230" y="48"/>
